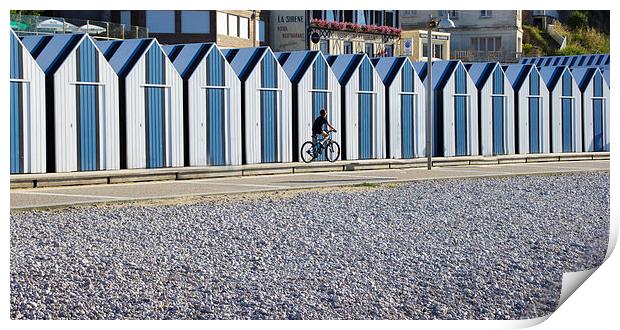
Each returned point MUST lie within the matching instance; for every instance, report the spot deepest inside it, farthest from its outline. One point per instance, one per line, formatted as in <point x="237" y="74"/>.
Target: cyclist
<point x="318" y="130"/>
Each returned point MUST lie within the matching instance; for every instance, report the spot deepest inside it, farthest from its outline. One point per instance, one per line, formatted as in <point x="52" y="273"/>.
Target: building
<point x="315" y="87"/>
<point x="227" y="28"/>
<point x="594" y="100"/>
<point x="495" y="108"/>
<point x="479" y="35"/>
<point x="405" y="99"/>
<point x="335" y="32"/>
<point x="414" y="44"/>
<point x="82" y="109"/>
<point x="211" y="105"/>
<point x="531" y="109"/>
<point x="151" y="103"/>
<point x="566" y="129"/>
<point x="265" y="105"/>
<point x="541" y="18"/>
<point x="363" y="107"/>
<point x="27" y="111"/>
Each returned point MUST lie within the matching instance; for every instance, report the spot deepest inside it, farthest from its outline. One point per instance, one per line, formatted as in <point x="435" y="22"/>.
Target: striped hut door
<point x="18" y="98"/>
<point x="567" y="113"/>
<point x="460" y="112"/>
<point x="498" y="112"/>
<point x="319" y="93"/>
<point x="365" y="107"/>
<point x="534" y="112"/>
<point x="88" y="107"/>
<point x="269" y="106"/>
<point x="598" y="113"/>
<point x="155" y="107"/>
<point x="216" y="110"/>
<point x="407" y="112"/>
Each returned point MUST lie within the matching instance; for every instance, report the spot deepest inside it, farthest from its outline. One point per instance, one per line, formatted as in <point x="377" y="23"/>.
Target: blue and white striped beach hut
<point x="566" y="131"/>
<point x="455" y="109"/>
<point x="212" y="104"/>
<point x="27" y="111"/>
<point x="82" y="110"/>
<point x="495" y="108"/>
<point x="594" y="102"/>
<point x="265" y="105"/>
<point x="405" y="103"/>
<point x="532" y="115"/>
<point x="151" y="103"/>
<point x="363" y="107"/>
<point x="314" y="87"/>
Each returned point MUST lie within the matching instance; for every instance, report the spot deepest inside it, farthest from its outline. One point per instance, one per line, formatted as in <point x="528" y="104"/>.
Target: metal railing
<point x="485" y="56"/>
<point x="40" y="25"/>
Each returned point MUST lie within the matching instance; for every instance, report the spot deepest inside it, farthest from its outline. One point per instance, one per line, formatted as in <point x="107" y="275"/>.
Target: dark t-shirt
<point x="318" y="124"/>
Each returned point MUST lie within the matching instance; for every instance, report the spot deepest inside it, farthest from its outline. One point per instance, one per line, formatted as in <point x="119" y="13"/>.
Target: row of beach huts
<point x="83" y="105"/>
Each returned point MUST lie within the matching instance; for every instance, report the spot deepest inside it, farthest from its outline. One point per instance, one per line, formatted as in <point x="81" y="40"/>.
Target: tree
<point x="577" y="20"/>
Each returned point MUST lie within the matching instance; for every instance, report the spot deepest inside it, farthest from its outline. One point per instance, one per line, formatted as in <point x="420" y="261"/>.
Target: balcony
<point x="485" y="56"/>
<point x="24" y="25"/>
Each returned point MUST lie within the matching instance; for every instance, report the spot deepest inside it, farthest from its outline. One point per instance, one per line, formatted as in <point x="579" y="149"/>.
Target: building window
<point x="160" y="21"/>
<point x="348" y="16"/>
<point x="244" y="27"/>
<point x="233" y="26"/>
<point x="331" y="15"/>
<point x="317" y="14"/>
<point x="369" y="48"/>
<point x="195" y="21"/>
<point x="260" y="26"/>
<point x="348" y="47"/>
<point x="485" y="13"/>
<point x="126" y="19"/>
<point x="362" y="16"/>
<point x="378" y="17"/>
<point x="488" y="44"/>
<point x="222" y="23"/>
<point x="390" y="19"/>
<point x="454" y="14"/>
<point x="438" y="51"/>
<point x="389" y="50"/>
<point x="324" y="46"/>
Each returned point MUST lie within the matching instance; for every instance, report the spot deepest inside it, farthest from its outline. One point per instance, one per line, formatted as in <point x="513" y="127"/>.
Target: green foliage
<point x="571" y="50"/>
<point x="577" y="20"/>
<point x="27" y="12"/>
<point x="583" y="41"/>
<point x="528" y="49"/>
<point x="534" y="38"/>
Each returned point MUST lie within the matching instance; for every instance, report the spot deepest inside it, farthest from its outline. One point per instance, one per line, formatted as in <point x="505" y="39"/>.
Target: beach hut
<point x="566" y="132"/>
<point x="82" y="108"/>
<point x="314" y="87"/>
<point x="211" y="103"/>
<point x="27" y="111"/>
<point x="594" y="102"/>
<point x="265" y="105"/>
<point x="363" y="107"/>
<point x="495" y="108"/>
<point x="455" y="109"/>
<point x="531" y="102"/>
<point x="151" y="103"/>
<point x="405" y="103"/>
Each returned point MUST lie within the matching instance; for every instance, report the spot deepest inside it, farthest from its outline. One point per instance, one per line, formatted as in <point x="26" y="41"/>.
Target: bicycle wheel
<point x="332" y="151"/>
<point x="307" y="152"/>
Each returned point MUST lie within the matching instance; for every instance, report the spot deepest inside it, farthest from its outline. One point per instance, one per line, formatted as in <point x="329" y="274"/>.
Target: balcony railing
<point x="38" y="25"/>
<point x="485" y="56"/>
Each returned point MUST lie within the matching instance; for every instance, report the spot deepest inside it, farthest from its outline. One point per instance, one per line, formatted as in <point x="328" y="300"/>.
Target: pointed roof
<point x="388" y="67"/>
<point x="295" y="64"/>
<point x="480" y="72"/>
<point x="124" y="54"/>
<point x="50" y="51"/>
<point x="606" y="75"/>
<point x="243" y="60"/>
<point x="551" y="75"/>
<point x="516" y="74"/>
<point x="583" y="76"/>
<point x="442" y="70"/>
<point x="343" y="66"/>
<point x="420" y="68"/>
<point x="186" y="57"/>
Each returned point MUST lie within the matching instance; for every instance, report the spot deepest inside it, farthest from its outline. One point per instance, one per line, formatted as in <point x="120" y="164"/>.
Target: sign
<point x="287" y="30"/>
<point x="315" y="38"/>
<point x="434" y="36"/>
<point x="407" y="47"/>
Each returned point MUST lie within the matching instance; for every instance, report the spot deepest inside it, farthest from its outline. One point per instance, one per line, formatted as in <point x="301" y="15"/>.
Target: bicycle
<point x="310" y="151"/>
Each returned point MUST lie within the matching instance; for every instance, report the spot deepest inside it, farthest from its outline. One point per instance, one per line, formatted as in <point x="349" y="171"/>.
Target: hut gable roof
<point x="480" y="72"/>
<point x="295" y="64"/>
<point x="185" y="58"/>
<point x="343" y="66"/>
<point x="124" y="54"/>
<point x="388" y="67"/>
<point x="51" y="51"/>
<point x="243" y="60"/>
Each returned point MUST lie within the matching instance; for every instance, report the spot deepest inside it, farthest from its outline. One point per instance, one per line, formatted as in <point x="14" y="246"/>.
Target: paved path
<point x="64" y="196"/>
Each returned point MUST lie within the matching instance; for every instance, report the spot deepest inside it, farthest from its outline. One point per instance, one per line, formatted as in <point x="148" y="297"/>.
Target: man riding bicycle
<point x="318" y="130"/>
